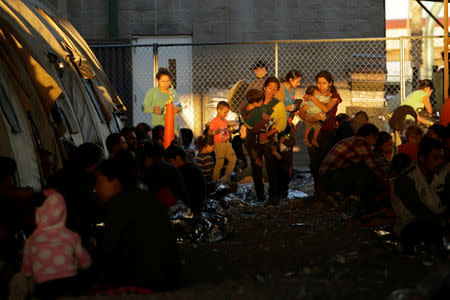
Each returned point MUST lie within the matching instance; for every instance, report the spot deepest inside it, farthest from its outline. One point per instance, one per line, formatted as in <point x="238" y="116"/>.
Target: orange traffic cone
<point x="169" y="129"/>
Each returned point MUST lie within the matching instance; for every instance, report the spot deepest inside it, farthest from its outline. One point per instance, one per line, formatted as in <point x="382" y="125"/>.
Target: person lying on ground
<point x="195" y="182"/>
<point x="138" y="247"/>
<point x="420" y="198"/>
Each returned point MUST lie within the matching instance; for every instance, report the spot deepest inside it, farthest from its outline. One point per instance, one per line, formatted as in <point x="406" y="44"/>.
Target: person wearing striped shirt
<point x="204" y="159"/>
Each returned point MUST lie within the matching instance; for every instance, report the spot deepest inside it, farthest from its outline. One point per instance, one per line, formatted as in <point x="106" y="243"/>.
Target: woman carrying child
<point x="258" y="142"/>
<point x="325" y="84"/>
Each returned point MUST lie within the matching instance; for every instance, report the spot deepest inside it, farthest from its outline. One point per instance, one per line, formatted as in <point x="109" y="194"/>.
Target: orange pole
<point x="169" y="129"/>
<point x="445" y="111"/>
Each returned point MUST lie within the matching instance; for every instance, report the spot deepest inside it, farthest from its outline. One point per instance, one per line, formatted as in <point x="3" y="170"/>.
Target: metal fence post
<point x="276" y="60"/>
<point x="402" y="70"/>
<point x="155" y="63"/>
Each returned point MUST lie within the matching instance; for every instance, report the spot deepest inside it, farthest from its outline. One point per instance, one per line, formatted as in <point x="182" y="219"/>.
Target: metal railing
<point x="376" y="72"/>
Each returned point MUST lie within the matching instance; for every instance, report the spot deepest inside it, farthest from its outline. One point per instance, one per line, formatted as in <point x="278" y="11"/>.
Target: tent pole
<point x="445" y="50"/>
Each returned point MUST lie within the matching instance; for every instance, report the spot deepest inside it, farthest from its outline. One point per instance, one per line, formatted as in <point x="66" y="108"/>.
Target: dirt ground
<point x="291" y="252"/>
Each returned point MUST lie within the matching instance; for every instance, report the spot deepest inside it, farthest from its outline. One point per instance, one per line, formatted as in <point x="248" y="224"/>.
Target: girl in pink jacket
<point x="53" y="254"/>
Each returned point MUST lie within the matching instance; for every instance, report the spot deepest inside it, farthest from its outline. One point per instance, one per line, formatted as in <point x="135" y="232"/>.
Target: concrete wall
<point x="230" y="20"/>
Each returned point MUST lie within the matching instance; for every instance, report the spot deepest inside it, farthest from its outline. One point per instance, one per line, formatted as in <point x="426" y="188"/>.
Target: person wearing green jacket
<point x="156" y="99"/>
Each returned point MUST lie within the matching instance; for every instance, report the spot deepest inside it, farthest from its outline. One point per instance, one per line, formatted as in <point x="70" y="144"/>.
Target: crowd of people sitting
<point x="93" y="213"/>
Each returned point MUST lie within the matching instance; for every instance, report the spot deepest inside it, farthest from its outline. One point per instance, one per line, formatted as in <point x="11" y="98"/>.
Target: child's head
<point x="88" y="156"/>
<point x="115" y="175"/>
<point x="186" y="137"/>
<point x="143" y="132"/>
<point x="312" y="90"/>
<point x="413" y="134"/>
<point x="129" y="133"/>
<point x="158" y="133"/>
<point x="436" y="131"/>
<point x="204" y="144"/>
<point x="384" y="142"/>
<point x="426" y="85"/>
<point x="341" y="118"/>
<point x="175" y="155"/>
<point x="362" y="115"/>
<point x="222" y="109"/>
<point x="53" y="211"/>
<point x="255" y="96"/>
<point x="149" y="153"/>
<point x="430" y="155"/>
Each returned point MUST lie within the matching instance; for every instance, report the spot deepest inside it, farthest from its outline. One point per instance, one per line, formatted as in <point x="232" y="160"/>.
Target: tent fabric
<point x="25" y="158"/>
<point x="56" y="87"/>
<point x="45" y="85"/>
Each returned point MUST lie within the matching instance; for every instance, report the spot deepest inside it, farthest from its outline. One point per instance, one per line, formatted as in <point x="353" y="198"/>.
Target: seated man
<point x="195" y="182"/>
<point x="350" y="166"/>
<point x="138" y="246"/>
<point x="115" y="142"/>
<point x="161" y="177"/>
<point x="421" y="196"/>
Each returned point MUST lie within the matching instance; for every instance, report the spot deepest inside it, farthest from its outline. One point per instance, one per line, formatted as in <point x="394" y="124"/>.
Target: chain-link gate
<point x="367" y="72"/>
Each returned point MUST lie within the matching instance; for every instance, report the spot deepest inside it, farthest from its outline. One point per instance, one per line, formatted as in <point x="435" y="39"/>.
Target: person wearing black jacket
<point x="138" y="246"/>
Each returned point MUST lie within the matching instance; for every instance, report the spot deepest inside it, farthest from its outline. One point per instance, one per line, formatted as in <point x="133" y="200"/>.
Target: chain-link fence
<point x="369" y="73"/>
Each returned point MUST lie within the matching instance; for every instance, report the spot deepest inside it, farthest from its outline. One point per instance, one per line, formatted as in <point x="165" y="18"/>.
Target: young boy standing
<point x="222" y="146"/>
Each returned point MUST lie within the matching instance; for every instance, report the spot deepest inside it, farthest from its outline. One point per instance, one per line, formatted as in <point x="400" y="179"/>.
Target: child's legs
<point x="231" y="157"/>
<point x="315" y="135"/>
<point x="307" y="131"/>
<point x="219" y="150"/>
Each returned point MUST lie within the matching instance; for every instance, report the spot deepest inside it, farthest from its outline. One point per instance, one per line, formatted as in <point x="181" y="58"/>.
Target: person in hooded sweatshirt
<point x="53" y="253"/>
